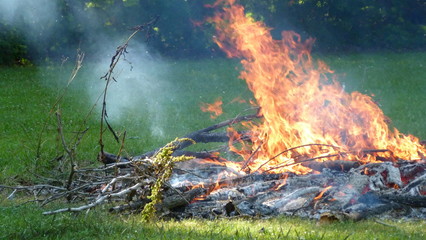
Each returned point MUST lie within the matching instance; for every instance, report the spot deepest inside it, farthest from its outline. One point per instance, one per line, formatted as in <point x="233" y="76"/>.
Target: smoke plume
<point x="139" y="88"/>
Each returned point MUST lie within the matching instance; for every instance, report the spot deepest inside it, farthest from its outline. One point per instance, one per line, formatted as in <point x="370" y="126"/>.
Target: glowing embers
<point x="372" y="189"/>
<point x="302" y="103"/>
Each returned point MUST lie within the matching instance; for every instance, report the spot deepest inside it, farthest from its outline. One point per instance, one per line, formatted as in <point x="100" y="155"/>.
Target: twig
<point x="368" y="151"/>
<point x="204" y="134"/>
<point x="306" y="160"/>
<point x="77" y="66"/>
<point x="384" y="224"/>
<point x="58" y="196"/>
<point x="250" y="158"/>
<point x="98" y="201"/>
<point x="121" y="50"/>
<point x="69" y="151"/>
<point x="32" y="188"/>
<point x="113" y="182"/>
<point x="293" y="148"/>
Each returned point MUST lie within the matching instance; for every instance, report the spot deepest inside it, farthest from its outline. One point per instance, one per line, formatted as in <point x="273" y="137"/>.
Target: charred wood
<point x="338" y="165"/>
<point x="183" y="199"/>
<point x="405" y="199"/>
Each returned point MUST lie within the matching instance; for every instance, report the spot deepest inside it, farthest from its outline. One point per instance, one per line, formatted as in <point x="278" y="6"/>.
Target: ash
<point x="383" y="190"/>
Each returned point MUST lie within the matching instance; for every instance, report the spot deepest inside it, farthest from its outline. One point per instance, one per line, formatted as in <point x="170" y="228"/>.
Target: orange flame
<point x="215" y="108"/>
<point x="319" y="196"/>
<point x="301" y="102"/>
<point x="282" y="184"/>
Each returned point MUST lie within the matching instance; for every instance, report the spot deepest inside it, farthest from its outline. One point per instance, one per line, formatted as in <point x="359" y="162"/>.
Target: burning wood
<point x="301" y="101"/>
<point x="212" y="188"/>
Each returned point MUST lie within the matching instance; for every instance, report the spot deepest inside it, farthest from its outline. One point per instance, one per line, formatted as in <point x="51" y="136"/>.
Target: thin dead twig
<point x="368" y="151"/>
<point x="98" y="201"/>
<point x="77" y="67"/>
<point x="293" y="148"/>
<point x="121" y="51"/>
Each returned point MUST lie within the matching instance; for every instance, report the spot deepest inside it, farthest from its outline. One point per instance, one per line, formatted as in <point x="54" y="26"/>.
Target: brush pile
<point x="170" y="184"/>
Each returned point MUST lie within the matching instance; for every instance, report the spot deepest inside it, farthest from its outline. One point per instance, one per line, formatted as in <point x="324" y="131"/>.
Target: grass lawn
<point x="26" y="222"/>
<point x="166" y="106"/>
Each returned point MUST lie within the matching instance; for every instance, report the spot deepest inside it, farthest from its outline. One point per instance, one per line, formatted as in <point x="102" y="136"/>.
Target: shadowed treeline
<point x="46" y="30"/>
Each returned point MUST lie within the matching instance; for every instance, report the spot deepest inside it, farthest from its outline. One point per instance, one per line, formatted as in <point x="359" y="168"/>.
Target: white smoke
<point x="32" y="17"/>
<point x="28" y="11"/>
<point x="138" y="89"/>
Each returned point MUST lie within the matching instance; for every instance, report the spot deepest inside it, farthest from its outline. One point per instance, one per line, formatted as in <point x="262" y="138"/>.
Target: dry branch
<point x="98" y="201"/>
<point x="204" y="136"/>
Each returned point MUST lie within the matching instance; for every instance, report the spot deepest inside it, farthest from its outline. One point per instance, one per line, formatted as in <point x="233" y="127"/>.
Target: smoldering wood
<point x="256" y="194"/>
<point x="361" y="211"/>
<point x="183" y="199"/>
<point x="333" y="165"/>
<point x="415" y="183"/>
<point x="405" y="199"/>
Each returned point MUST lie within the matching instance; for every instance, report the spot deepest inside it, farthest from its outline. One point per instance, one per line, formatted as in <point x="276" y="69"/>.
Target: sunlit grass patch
<point x="26" y="222"/>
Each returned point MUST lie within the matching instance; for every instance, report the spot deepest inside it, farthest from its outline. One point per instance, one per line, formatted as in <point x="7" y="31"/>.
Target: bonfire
<point x="311" y="149"/>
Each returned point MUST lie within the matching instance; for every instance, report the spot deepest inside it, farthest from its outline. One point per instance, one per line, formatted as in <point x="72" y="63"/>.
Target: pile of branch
<point x="140" y="182"/>
<point x="129" y="181"/>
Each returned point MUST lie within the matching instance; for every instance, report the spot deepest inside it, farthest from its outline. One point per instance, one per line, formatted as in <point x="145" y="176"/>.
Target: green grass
<point x="26" y="222"/>
<point x="398" y="82"/>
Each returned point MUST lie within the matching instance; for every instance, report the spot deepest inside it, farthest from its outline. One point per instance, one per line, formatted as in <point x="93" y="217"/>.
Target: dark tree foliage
<point x="349" y="25"/>
<point x="14" y="50"/>
<point x="182" y="32"/>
